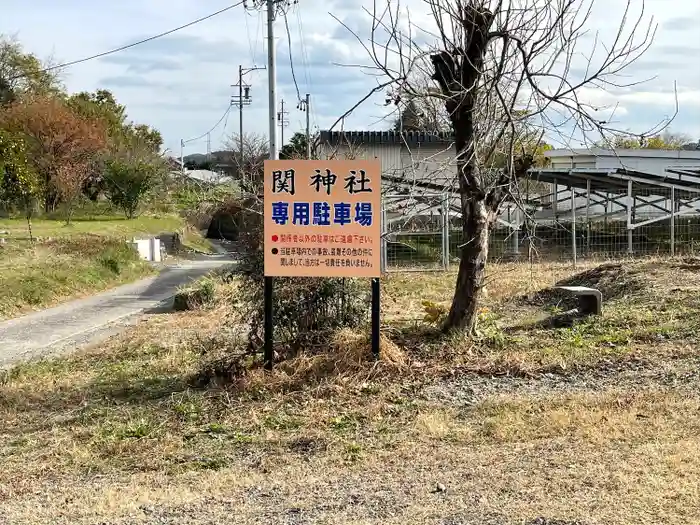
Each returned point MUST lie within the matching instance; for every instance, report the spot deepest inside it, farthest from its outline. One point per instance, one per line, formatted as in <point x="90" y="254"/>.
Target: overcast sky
<point x="181" y="84"/>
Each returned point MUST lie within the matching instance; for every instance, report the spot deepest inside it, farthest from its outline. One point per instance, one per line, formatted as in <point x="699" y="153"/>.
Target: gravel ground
<point x="678" y="374"/>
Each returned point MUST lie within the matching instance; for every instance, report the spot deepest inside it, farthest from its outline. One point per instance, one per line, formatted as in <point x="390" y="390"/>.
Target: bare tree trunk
<point x="476" y="228"/>
<point x="458" y="73"/>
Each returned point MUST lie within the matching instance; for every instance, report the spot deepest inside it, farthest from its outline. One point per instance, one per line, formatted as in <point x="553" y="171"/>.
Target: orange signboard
<point x="322" y="218"/>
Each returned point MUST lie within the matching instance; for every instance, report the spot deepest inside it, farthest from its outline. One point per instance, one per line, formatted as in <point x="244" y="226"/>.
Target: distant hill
<point x="216" y="156"/>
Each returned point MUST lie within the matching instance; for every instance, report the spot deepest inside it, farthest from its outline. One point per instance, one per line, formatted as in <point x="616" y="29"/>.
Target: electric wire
<point x="138" y="43"/>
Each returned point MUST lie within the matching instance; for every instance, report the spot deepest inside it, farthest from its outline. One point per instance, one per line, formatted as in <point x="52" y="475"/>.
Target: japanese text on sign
<point x="322" y="218"/>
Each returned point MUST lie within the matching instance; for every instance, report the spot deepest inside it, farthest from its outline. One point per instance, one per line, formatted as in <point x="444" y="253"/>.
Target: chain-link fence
<point x="571" y="224"/>
<point x="416" y="232"/>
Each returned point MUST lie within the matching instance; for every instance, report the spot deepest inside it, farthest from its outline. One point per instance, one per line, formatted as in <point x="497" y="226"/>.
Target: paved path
<point x="74" y="323"/>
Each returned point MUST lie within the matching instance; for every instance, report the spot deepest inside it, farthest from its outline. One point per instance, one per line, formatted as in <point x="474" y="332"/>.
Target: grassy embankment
<point x="68" y="261"/>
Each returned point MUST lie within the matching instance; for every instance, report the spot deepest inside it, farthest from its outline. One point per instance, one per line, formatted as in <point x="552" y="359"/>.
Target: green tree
<point x="100" y="105"/>
<point x="146" y="136"/>
<point x="203" y="165"/>
<point x="129" y="180"/>
<point x="23" y="73"/>
<point x="19" y="184"/>
<point x="122" y="135"/>
<point x="295" y="148"/>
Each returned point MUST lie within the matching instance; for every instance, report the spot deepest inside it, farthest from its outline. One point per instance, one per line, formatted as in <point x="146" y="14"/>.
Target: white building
<point x="406" y="157"/>
<point x="203" y="176"/>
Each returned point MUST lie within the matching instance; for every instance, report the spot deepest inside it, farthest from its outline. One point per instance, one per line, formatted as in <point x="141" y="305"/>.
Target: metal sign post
<point x="375" y="317"/>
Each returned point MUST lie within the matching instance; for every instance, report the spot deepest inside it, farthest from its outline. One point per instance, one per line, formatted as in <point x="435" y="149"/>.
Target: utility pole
<point x="274" y="155"/>
<point x="282" y="121"/>
<point x="304" y="105"/>
<point x="272" y="77"/>
<point x="208" y="146"/>
<point x="242" y="99"/>
<point x="240" y="108"/>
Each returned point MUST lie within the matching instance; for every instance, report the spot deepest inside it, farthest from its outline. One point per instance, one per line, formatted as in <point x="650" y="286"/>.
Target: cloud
<point x="182" y="83"/>
<point x="682" y="23"/>
<point x="188" y="47"/>
<point x="142" y="64"/>
<point x="663" y="99"/>
<point x="126" y="82"/>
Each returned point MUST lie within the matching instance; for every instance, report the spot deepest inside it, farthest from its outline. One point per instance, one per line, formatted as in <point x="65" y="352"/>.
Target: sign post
<point x="323" y="219"/>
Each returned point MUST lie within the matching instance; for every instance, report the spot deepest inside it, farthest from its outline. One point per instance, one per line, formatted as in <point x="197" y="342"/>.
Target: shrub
<point x="117" y="257"/>
<point x="198" y="295"/>
<point x="306" y="310"/>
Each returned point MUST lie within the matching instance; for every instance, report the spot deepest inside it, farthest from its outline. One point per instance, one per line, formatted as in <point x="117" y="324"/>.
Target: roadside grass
<point x="69" y="261"/>
<point x="119" y="426"/>
<point x="192" y="239"/>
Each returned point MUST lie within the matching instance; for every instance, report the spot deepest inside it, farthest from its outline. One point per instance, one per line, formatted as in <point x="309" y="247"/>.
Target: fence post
<point x="588" y="217"/>
<point x="446" y="231"/>
<point x="630" y="250"/>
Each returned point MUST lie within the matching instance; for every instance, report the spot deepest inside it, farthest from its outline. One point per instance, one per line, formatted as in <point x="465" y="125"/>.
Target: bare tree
<point x="501" y="68"/>
<point x="249" y="155"/>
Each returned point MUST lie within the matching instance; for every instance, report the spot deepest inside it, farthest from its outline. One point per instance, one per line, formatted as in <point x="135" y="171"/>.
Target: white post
<point x="448" y="225"/>
<point x="208" y="146"/>
<point x="516" y="232"/>
<point x="588" y="217"/>
<point x="673" y="220"/>
<point x="629" y="217"/>
<point x="272" y="78"/>
<point x="445" y="231"/>
<point x="182" y="157"/>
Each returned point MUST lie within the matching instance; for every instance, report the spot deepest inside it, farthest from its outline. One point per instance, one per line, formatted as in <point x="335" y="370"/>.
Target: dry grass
<point x="116" y="435"/>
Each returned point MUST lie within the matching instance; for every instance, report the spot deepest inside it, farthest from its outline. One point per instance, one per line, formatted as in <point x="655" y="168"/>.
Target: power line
<point x="259" y="30"/>
<point x="304" y="54"/>
<point x="291" y="61"/>
<point x="223" y="131"/>
<point x="128" y="46"/>
<point x="228" y="109"/>
<point x="306" y="62"/>
<point x="250" y="40"/>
